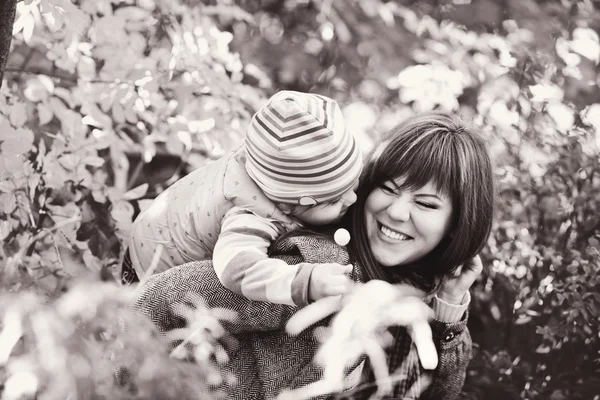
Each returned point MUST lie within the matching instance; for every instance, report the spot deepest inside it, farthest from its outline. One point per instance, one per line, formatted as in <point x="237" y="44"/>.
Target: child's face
<point x="326" y="213"/>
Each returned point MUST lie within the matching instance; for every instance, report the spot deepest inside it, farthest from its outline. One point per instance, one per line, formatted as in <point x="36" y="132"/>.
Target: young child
<point x="298" y="166"/>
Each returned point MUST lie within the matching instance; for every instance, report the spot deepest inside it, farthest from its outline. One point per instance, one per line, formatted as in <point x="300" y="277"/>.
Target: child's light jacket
<point x="184" y="222"/>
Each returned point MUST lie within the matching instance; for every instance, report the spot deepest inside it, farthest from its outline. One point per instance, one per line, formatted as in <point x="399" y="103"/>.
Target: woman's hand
<point x="454" y="288"/>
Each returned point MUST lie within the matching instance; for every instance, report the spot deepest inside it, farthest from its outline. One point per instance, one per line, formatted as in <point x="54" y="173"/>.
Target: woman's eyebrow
<point x="435" y="196"/>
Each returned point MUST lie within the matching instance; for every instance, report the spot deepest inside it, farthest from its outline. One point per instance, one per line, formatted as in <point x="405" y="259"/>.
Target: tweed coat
<point x="267" y="360"/>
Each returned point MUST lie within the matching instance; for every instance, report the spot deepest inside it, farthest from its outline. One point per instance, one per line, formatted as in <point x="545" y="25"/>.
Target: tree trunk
<point x="7" y="19"/>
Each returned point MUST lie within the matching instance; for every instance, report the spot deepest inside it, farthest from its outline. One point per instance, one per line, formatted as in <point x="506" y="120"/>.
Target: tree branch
<point x="8" y="9"/>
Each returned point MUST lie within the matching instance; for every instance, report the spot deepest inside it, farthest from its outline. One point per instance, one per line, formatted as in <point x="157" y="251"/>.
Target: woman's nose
<point x="399" y="209"/>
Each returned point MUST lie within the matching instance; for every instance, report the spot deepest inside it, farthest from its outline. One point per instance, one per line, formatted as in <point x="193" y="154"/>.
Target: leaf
<point x="53" y="18"/>
<point x="147" y="4"/>
<point x="33" y="181"/>
<point x="19" y="144"/>
<point x="522" y="320"/>
<point x="103" y="138"/>
<point x="35" y="91"/>
<point x="542" y="349"/>
<point x="11" y="165"/>
<point x="71" y="124"/>
<point x="122" y="212"/>
<point x="202" y="126"/>
<point x="26" y="23"/>
<point x="545" y="92"/>
<point x="591" y="116"/>
<point x="5" y="229"/>
<point x="94" y="161"/>
<point x="174" y="146"/>
<point x="131" y="115"/>
<point x="585" y="42"/>
<point x="185" y="138"/>
<point x="65" y="95"/>
<point x="58" y="107"/>
<point x="94" y="116"/>
<point x="66" y="257"/>
<point x="69" y="161"/>
<point x="86" y="68"/>
<point x="6" y="130"/>
<point x="136" y="192"/>
<point x="132" y="13"/>
<point x="45" y="113"/>
<point x="562" y="115"/>
<point x="77" y="20"/>
<point x="99" y="196"/>
<point x="8" y="203"/>
<point x="28" y="28"/>
<point x="18" y="115"/>
<point x="118" y="113"/>
<point x="67" y="221"/>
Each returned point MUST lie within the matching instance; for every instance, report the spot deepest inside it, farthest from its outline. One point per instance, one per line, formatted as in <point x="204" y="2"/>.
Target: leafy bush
<point x="96" y="92"/>
<point x="107" y="102"/>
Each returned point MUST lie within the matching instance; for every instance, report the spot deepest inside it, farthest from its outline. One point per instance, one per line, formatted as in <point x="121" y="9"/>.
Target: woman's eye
<point x="388" y="189"/>
<point x="428" y="205"/>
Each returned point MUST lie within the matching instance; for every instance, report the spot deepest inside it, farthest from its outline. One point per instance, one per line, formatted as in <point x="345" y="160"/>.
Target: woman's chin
<point x="386" y="256"/>
<point x="391" y="253"/>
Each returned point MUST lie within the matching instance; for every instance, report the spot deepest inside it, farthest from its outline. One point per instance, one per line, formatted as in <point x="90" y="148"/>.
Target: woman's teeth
<point x="393" y="235"/>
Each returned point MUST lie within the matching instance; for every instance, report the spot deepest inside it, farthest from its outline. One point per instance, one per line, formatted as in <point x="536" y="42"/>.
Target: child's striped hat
<point x="299" y="151"/>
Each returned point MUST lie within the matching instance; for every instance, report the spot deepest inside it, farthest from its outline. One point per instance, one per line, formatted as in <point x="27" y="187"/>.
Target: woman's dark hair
<point x="430" y="147"/>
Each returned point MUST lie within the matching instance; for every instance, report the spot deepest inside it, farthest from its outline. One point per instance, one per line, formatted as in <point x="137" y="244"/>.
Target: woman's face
<point x="404" y="225"/>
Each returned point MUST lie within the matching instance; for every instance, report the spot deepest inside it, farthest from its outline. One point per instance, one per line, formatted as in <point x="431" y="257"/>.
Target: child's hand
<point x="328" y="280"/>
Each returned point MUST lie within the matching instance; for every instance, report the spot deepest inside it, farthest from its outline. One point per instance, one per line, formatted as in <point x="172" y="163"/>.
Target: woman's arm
<point x="454" y="346"/>
<point x="450" y="334"/>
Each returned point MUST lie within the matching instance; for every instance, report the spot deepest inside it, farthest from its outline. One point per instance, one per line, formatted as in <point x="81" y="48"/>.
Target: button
<point x="449" y="336"/>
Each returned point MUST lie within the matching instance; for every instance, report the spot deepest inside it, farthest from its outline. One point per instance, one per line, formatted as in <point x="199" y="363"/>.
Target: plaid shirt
<point x="267" y="360"/>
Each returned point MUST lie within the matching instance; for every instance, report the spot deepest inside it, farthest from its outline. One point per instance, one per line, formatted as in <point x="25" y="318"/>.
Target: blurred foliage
<point x="89" y="344"/>
<point x="106" y="102"/>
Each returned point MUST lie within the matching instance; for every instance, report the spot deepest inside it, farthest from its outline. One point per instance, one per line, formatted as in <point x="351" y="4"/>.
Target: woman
<point x="424" y="209"/>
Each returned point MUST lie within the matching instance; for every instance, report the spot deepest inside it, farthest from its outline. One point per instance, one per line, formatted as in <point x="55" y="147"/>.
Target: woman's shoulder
<point x="313" y="247"/>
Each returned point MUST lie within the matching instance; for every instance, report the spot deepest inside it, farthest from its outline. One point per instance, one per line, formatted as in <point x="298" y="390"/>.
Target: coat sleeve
<point x="455" y="349"/>
<point x="197" y="282"/>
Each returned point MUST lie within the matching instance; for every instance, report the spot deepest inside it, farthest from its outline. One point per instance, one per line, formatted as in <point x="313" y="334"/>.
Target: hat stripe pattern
<point x="298" y="146"/>
<point x="277" y="143"/>
<point x="341" y="166"/>
<point x="320" y="161"/>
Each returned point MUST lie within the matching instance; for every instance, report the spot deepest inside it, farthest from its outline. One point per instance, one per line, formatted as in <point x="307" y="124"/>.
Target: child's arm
<point x="242" y="265"/>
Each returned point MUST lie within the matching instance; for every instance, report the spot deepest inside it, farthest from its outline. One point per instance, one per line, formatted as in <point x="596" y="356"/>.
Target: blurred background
<point x="110" y="101"/>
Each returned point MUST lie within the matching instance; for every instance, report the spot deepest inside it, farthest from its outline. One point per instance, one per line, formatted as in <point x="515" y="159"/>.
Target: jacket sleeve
<point x="242" y="265"/>
<point x="454" y="346"/>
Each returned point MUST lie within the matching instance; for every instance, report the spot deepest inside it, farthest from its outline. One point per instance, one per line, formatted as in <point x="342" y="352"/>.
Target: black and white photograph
<point x="300" y="199"/>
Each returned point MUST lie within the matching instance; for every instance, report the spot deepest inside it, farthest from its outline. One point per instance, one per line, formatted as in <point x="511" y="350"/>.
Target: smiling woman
<point x="427" y="180"/>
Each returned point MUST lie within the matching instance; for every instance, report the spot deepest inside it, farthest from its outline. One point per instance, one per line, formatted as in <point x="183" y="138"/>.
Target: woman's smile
<point x="391" y="235"/>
